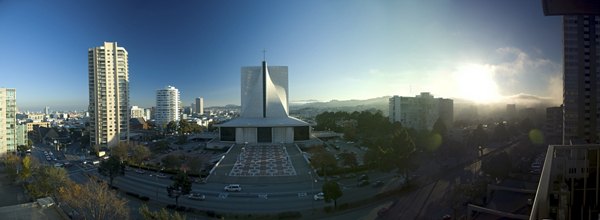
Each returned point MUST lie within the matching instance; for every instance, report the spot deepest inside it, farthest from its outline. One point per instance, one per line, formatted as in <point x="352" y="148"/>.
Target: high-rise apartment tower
<point x="8" y="120"/>
<point x="581" y="75"/>
<point x="108" y="95"/>
<point x="199" y="108"/>
<point x="167" y="106"/>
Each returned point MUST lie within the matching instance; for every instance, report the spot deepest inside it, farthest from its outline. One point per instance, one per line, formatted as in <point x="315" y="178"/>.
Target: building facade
<point x="554" y="121"/>
<point x="581" y="57"/>
<point x="264" y="116"/>
<point x="199" y="106"/>
<point x="8" y="120"/>
<point x="108" y="95"/>
<point x="167" y="106"/>
<point x="32" y="125"/>
<point x="581" y="94"/>
<point x="421" y="112"/>
<point x="21" y="134"/>
<point x="137" y="112"/>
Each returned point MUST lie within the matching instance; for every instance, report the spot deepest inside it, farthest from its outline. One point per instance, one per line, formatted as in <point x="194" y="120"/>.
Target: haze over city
<point x="334" y="49"/>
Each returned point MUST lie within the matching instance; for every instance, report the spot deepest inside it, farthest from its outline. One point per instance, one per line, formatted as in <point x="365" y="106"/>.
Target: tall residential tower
<point x="581" y="77"/>
<point x="8" y="120"/>
<point x="108" y="95"/>
<point x="199" y="108"/>
<point x="167" y="106"/>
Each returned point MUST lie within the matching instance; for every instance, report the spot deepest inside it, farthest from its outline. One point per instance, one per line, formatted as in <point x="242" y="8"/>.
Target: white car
<point x="233" y="188"/>
<point x="161" y="175"/>
<point x="319" y="196"/>
<point x="196" y="196"/>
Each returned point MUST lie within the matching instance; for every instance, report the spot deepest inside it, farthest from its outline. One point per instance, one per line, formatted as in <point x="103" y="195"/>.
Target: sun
<point x="476" y="83"/>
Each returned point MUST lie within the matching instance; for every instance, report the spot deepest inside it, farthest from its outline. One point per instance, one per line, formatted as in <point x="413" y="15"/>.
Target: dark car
<point x="363" y="177"/>
<point x="378" y="183"/>
<point x="363" y="183"/>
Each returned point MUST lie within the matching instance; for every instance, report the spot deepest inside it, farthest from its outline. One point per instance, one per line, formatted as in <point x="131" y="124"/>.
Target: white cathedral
<point x="264" y="116"/>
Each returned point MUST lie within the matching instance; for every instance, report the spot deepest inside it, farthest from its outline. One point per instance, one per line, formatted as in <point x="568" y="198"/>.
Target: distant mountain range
<point x="379" y="103"/>
<point x="311" y="108"/>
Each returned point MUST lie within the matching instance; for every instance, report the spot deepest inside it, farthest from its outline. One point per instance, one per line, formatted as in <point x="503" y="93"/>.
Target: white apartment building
<point x="108" y="94"/>
<point x="8" y="120"/>
<point x="147" y="114"/>
<point x="167" y="106"/>
<point x="421" y="112"/>
<point x="137" y="112"/>
<point x="199" y="107"/>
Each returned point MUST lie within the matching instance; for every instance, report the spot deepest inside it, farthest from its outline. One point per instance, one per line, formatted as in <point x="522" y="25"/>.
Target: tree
<point x="322" y="159"/>
<point x="163" y="214"/>
<point x="160" y="146"/>
<point x="349" y="159"/>
<point x="23" y="148"/>
<point x="121" y="151"/>
<point x="111" y="168"/>
<point x="12" y="164"/>
<point x="28" y="166"/>
<point x="396" y="149"/>
<point x="182" y="185"/>
<point x="172" y="161"/>
<point x="195" y="164"/>
<point x="139" y="153"/>
<point x="171" y="127"/>
<point x="332" y="191"/>
<point x="47" y="181"/>
<point x="184" y="127"/>
<point x="94" y="200"/>
<point x="440" y="128"/>
<point x="196" y="128"/>
<point x="181" y="139"/>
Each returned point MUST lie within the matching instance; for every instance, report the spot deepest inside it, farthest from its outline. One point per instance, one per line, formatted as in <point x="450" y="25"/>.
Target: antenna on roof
<point x="264" y="55"/>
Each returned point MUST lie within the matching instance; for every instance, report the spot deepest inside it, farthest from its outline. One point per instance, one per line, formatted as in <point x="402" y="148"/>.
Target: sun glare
<point x="476" y="83"/>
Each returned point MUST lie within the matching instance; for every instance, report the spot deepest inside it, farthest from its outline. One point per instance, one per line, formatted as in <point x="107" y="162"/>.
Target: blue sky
<point x="334" y="49"/>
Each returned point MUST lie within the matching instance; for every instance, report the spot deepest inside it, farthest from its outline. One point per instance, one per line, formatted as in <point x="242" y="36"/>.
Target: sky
<point x="483" y="51"/>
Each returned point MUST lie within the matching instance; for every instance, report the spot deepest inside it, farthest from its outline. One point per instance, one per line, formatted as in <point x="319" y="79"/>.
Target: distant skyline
<point x="482" y="51"/>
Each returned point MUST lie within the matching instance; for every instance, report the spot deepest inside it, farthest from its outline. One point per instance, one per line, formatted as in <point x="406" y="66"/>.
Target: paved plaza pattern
<point x="263" y="160"/>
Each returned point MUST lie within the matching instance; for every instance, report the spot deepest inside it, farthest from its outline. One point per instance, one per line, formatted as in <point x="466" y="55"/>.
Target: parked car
<point x="196" y="196"/>
<point x="378" y="183"/>
<point x="140" y="171"/>
<point x="363" y="183"/>
<point x="233" y="188"/>
<point x="161" y="175"/>
<point x="319" y="196"/>
<point x="363" y="177"/>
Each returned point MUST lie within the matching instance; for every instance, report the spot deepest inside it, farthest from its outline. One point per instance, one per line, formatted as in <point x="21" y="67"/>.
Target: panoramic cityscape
<point x="300" y="110"/>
